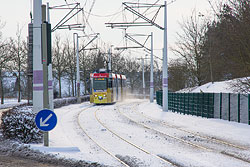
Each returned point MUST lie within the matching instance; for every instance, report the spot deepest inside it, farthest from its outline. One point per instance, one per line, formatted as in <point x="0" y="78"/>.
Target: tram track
<point x="190" y="132"/>
<point x="199" y="146"/>
<point x="136" y="146"/>
<point x="118" y="157"/>
<point x="81" y="136"/>
<point x="98" y="144"/>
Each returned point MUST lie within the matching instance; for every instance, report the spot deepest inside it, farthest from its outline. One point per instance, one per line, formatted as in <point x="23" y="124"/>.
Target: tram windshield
<point x="100" y="83"/>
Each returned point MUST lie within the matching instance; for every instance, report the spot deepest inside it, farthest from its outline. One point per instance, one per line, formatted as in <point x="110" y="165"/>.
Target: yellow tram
<point x="107" y="88"/>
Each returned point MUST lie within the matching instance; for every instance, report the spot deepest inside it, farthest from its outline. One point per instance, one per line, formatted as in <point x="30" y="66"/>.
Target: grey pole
<point x="45" y="70"/>
<point x="143" y="80"/>
<point x="152" y="72"/>
<point x="109" y="59"/>
<point x="37" y="61"/>
<point x="165" y="63"/>
<point x="77" y="69"/>
<point x="50" y="75"/>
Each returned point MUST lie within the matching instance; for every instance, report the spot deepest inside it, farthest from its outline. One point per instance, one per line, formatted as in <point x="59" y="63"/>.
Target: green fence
<point x="199" y="104"/>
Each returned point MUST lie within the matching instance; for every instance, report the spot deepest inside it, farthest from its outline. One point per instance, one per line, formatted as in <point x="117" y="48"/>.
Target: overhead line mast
<point x="149" y="22"/>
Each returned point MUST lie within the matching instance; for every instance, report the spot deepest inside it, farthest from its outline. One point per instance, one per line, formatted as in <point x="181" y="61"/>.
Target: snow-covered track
<point x="161" y="132"/>
<point x="225" y="152"/>
<point x="163" y="123"/>
<point x="136" y="146"/>
<point x="127" y="154"/>
<point x="98" y="144"/>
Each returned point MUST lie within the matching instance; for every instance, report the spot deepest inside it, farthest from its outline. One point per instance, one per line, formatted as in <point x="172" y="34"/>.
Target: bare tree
<point x="70" y="64"/>
<point x="19" y="54"/>
<point x="59" y="62"/>
<point x="179" y="76"/>
<point x="5" y="58"/>
<point x="5" y="65"/>
<point x="133" y="74"/>
<point x="189" y="44"/>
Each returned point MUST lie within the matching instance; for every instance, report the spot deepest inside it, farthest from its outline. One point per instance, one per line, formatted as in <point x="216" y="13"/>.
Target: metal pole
<point x="50" y="75"/>
<point x="143" y="80"/>
<point x="45" y="70"/>
<point x="165" y="63"/>
<point x="239" y="107"/>
<point x="248" y="109"/>
<point x="229" y="107"/>
<point x="109" y="59"/>
<point x="77" y="69"/>
<point x="37" y="61"/>
<point x="152" y="71"/>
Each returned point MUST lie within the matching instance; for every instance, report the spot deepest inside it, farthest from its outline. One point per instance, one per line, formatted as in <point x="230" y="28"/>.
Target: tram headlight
<point x="95" y="95"/>
<point x="104" y="95"/>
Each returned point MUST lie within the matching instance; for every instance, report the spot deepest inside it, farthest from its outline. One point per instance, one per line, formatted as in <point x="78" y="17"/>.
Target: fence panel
<point x="227" y="106"/>
<point x="217" y="105"/>
<point x="200" y="104"/>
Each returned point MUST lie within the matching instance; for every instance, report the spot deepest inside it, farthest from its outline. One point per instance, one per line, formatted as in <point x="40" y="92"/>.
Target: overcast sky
<point x="14" y="12"/>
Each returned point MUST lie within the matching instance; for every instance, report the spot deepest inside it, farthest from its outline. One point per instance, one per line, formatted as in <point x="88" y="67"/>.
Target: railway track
<point x="98" y="144"/>
<point x="190" y="132"/>
<point x="113" y="154"/>
<point x="136" y="146"/>
<point x="80" y="135"/>
<point x="145" y="123"/>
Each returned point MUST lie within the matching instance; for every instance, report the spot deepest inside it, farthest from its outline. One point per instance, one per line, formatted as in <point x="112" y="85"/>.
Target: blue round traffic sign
<point x="46" y="120"/>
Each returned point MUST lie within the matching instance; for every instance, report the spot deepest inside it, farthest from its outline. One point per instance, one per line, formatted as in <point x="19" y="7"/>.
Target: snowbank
<point x="216" y="87"/>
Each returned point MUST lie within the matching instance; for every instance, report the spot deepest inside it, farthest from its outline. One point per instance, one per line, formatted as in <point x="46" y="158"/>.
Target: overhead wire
<point x="114" y="16"/>
<point x="109" y="15"/>
<point x="147" y="9"/>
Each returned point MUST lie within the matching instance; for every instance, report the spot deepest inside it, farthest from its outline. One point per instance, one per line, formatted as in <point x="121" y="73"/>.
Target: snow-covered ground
<point x="11" y="102"/>
<point x="95" y="133"/>
<point x="215" y="87"/>
<point x="138" y="133"/>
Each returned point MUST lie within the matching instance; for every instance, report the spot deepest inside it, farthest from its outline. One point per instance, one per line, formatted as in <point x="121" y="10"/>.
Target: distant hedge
<point x="67" y="101"/>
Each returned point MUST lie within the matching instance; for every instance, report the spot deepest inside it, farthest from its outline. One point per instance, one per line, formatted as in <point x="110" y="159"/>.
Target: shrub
<point x="20" y="125"/>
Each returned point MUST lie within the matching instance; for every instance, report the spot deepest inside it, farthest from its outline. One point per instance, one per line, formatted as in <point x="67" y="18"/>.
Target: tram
<point x="107" y="88"/>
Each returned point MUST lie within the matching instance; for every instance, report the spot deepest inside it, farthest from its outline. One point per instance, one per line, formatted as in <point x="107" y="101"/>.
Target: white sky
<point x="15" y="12"/>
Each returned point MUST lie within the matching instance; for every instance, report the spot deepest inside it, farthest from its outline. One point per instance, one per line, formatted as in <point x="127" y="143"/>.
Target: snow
<point x="218" y="128"/>
<point x="215" y="87"/>
<point x="70" y="141"/>
<point x="11" y="102"/>
<point x="57" y="149"/>
<point x="77" y="122"/>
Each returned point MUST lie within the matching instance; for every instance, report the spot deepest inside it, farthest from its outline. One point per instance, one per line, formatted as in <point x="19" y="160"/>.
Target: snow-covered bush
<point x="19" y="124"/>
<point x="69" y="100"/>
<point x="64" y="101"/>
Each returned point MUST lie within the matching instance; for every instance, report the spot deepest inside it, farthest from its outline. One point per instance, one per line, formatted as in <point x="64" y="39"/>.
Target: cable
<point x="104" y="15"/>
<point x="147" y="10"/>
<point x="91" y="8"/>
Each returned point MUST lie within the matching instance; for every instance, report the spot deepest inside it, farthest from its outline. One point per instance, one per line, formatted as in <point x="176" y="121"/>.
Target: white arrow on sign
<point x="42" y="123"/>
